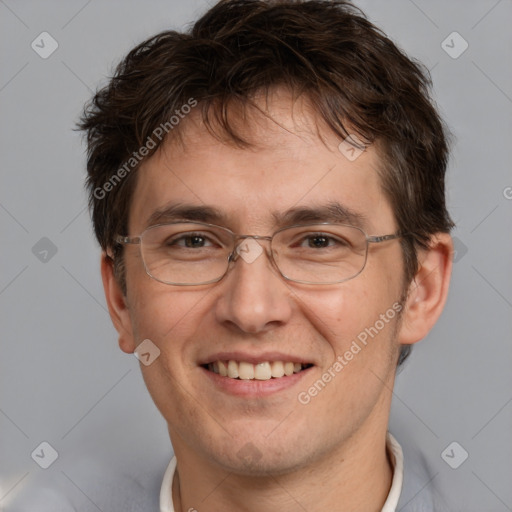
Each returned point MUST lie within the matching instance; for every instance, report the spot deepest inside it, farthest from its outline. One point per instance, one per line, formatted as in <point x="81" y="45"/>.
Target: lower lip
<point x="255" y="388"/>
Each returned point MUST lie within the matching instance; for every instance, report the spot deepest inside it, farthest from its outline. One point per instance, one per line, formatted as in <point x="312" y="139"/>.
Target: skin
<point x="330" y="453"/>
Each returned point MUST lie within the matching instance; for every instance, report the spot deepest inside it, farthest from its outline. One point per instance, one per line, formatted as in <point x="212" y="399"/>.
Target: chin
<point x="252" y="462"/>
<point x="262" y="455"/>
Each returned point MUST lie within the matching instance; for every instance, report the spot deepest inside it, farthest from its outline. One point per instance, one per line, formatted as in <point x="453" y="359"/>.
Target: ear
<point x="428" y="290"/>
<point x="116" y="301"/>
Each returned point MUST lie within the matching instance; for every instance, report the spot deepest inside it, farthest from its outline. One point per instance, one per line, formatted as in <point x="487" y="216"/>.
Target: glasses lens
<point x="320" y="254"/>
<point x="186" y="253"/>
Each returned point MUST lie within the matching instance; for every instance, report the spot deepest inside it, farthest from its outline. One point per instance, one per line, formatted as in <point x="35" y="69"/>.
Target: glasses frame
<point x="233" y="255"/>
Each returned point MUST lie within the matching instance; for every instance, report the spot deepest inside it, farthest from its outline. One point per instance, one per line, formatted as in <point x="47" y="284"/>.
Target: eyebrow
<point x="186" y="212"/>
<point x="331" y="212"/>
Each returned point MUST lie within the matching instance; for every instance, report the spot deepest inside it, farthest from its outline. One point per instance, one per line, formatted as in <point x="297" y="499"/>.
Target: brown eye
<point x="318" y="242"/>
<point x="189" y="241"/>
<point x="194" y="241"/>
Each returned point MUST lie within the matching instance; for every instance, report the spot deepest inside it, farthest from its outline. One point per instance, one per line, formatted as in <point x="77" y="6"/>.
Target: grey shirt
<point x="107" y="488"/>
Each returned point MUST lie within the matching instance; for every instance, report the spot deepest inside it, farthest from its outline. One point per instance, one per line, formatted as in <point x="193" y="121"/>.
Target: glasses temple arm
<point x="384" y="238"/>
<point x="127" y="239"/>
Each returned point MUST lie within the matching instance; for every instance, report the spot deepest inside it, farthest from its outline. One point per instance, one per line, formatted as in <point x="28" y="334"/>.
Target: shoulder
<point x="90" y="485"/>
<point x="421" y="489"/>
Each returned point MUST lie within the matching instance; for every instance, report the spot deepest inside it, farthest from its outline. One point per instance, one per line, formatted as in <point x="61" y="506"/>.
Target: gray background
<point x="62" y="377"/>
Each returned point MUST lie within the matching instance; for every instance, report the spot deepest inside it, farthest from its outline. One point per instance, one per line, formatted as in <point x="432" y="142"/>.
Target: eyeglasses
<point x="196" y="253"/>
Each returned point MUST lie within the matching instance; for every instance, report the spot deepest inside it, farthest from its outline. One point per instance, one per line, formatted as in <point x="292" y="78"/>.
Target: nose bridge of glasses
<point x="248" y="247"/>
<point x="255" y="237"/>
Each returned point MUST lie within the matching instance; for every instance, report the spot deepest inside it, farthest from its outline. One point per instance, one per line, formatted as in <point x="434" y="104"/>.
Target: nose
<point x="254" y="296"/>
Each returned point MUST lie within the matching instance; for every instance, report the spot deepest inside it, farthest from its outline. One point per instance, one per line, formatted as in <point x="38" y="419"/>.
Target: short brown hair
<point x="353" y="74"/>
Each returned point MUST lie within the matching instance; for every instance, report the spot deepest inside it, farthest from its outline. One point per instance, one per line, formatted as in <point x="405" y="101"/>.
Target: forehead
<point x="293" y="162"/>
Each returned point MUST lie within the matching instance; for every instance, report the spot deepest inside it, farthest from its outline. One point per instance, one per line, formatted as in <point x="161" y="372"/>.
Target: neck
<point x="356" y="478"/>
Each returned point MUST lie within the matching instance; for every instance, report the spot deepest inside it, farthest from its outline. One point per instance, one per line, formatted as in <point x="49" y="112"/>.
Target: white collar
<point x="397" y="459"/>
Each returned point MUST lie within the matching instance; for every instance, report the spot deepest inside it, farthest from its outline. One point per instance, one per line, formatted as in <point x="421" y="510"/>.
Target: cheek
<point x="344" y="310"/>
<point x="360" y="354"/>
<point x="357" y="324"/>
<point x="161" y="312"/>
<point x="173" y="321"/>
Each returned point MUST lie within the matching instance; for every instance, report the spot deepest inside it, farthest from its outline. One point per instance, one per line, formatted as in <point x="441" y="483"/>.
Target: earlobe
<point x="428" y="290"/>
<point x="116" y="301"/>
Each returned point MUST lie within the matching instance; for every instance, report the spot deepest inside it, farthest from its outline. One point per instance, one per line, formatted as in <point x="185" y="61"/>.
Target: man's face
<point x="255" y="315"/>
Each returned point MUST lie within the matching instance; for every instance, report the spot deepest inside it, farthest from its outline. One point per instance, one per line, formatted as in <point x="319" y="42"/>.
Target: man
<point x="268" y="192"/>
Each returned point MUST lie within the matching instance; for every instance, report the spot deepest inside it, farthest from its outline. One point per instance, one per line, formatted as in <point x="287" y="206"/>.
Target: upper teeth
<point x="248" y="371"/>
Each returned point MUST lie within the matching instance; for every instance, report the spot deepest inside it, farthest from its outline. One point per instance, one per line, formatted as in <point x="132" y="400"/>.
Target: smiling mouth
<point x="242" y="370"/>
